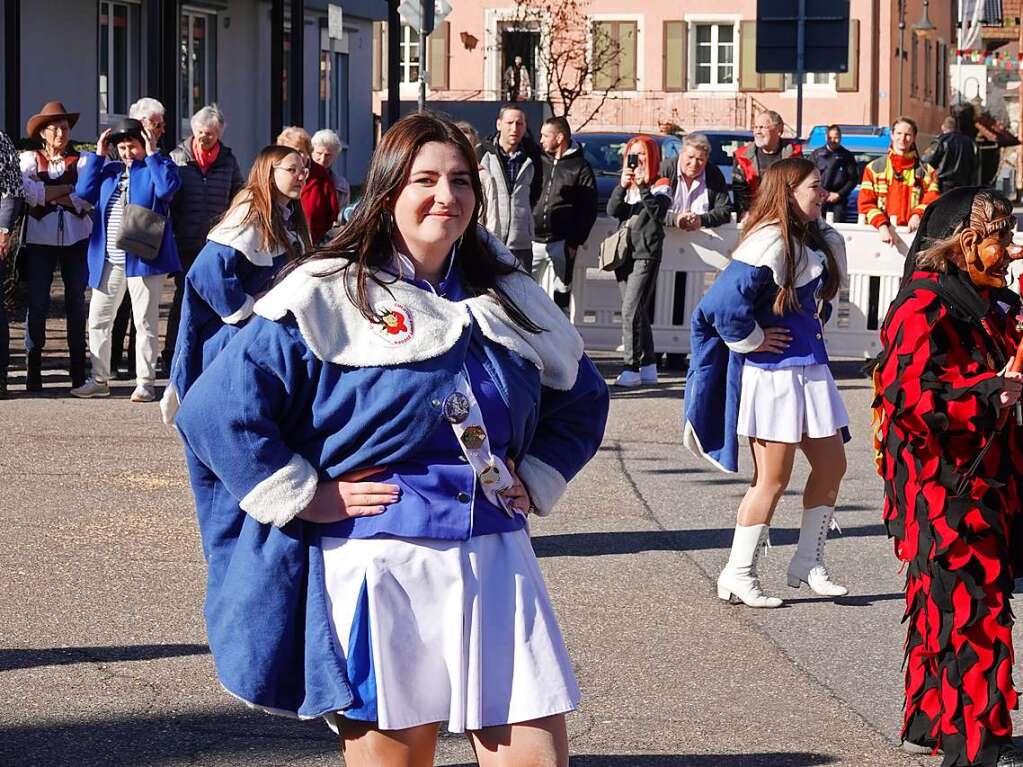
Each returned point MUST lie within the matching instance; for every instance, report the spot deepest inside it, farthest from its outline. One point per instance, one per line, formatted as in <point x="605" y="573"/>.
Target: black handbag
<point x="141" y="232"/>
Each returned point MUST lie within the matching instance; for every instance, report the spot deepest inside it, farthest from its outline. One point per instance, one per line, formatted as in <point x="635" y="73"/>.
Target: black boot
<point x="77" y="372"/>
<point x="3" y="385"/>
<point x="34" y="378"/>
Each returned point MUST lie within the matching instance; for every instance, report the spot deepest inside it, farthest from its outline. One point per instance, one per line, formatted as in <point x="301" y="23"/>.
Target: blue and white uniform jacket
<point x="728" y="324"/>
<point x="219" y="295"/>
<point x="310" y="390"/>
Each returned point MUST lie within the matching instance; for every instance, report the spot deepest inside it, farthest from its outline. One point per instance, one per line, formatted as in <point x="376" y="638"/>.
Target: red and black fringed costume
<point x="949" y="460"/>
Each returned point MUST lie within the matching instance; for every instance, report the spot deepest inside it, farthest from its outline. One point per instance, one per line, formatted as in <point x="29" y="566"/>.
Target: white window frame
<point x="815" y="90"/>
<point x="493" y="73"/>
<point x="133" y="87"/>
<point x="693" y="20"/>
<point x="406" y="64"/>
<point x="212" y="20"/>
<point x="640" y="19"/>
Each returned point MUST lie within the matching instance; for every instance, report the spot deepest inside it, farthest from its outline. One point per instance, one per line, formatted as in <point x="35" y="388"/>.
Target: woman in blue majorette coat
<point x="262" y="230"/>
<point x="759" y="370"/>
<point x="364" y="454"/>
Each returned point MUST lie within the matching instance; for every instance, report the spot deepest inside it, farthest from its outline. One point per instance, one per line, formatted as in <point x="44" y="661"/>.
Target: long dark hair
<point x="366" y="240"/>
<point x="774" y="205"/>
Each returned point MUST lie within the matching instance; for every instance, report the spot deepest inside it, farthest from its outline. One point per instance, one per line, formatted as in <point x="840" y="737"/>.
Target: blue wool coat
<point x="727" y="326"/>
<point x="152" y="184"/>
<point x="310" y="390"/>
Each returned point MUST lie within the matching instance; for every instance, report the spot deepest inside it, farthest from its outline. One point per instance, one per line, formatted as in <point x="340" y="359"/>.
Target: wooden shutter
<point x="749" y="78"/>
<point x="674" y="42"/>
<point x="627" y="52"/>
<point x="379" y="55"/>
<point x="603" y="76"/>
<point x="849" y="80"/>
<point x="440" y="57"/>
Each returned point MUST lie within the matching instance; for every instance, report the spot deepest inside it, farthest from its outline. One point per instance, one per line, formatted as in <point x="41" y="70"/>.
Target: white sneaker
<point x="629" y="379"/>
<point x="143" y="393"/>
<point x="648" y="374"/>
<point x="91" y="388"/>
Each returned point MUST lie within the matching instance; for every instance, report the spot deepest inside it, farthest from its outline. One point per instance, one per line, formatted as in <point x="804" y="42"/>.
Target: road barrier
<point x="690" y="264"/>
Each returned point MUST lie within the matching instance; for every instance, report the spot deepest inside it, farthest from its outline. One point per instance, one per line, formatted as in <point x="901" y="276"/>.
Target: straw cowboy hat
<point x="51" y="111"/>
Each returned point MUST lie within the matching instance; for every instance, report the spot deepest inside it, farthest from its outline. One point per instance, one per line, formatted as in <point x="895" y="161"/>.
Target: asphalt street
<point x="103" y="660"/>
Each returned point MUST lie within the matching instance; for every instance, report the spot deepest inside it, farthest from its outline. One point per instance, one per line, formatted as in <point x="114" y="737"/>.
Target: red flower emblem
<point x="394" y="322"/>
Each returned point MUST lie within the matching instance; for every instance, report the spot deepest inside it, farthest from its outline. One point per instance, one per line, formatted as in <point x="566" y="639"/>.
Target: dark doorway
<point x="524" y="43"/>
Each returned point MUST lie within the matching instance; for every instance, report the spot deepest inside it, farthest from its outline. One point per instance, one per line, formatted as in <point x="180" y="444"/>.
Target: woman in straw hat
<point x="56" y="234"/>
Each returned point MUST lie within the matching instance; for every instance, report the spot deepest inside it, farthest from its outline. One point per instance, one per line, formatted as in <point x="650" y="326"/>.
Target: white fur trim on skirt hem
<point x="455" y="631"/>
<point x="786" y="404"/>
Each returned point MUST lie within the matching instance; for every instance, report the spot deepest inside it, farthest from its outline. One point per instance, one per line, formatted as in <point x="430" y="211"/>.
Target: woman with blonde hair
<point x="262" y="231"/>
<point x="759" y="369"/>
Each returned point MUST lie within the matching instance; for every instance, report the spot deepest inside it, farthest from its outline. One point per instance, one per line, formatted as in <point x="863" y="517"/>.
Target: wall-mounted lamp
<point x="925" y="26"/>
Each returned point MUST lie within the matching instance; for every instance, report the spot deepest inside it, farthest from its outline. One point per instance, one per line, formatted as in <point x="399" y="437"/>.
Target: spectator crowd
<point x="124" y="219"/>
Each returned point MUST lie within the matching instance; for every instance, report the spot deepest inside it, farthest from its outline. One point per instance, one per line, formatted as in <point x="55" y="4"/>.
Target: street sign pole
<point x="422" y="52"/>
<point x="800" y="66"/>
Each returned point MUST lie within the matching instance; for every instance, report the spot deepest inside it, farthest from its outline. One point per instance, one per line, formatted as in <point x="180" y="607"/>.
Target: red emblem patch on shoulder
<point x="396" y="325"/>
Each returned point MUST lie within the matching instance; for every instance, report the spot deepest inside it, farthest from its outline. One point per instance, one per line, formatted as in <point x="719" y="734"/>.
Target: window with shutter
<point x="614" y="55"/>
<point x="674" y="55"/>
<point x="440" y="57"/>
<point x="749" y="78"/>
<point x="849" y="80"/>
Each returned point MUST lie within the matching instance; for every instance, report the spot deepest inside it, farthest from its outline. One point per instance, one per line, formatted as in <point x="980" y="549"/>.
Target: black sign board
<point x="826" y="35"/>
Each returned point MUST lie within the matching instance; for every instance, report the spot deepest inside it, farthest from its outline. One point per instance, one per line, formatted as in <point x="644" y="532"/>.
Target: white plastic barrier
<point x="691" y="263"/>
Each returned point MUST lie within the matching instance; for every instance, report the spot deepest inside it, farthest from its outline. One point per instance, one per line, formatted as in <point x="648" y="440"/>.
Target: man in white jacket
<point x="510" y="193"/>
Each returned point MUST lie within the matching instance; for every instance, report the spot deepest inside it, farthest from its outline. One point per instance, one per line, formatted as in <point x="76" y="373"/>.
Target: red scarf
<point x="903" y="162"/>
<point x="204" y="159"/>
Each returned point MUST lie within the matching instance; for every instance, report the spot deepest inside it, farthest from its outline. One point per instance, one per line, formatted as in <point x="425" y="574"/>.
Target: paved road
<point x="103" y="659"/>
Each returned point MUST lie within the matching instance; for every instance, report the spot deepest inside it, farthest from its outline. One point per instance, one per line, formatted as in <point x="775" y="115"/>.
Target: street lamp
<point x="924" y="27"/>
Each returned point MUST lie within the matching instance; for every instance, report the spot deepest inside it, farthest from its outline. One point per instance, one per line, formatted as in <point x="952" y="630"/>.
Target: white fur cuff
<point x="749" y="343"/>
<point x="544" y="483"/>
<point x="278" y="498"/>
<point x="242" y="314"/>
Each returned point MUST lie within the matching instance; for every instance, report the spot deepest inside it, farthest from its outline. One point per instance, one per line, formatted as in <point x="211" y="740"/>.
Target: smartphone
<point x="632" y="161"/>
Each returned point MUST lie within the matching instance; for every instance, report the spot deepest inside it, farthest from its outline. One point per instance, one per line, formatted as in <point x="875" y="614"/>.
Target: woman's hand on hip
<point x="776" y="340"/>
<point x="350" y="497"/>
<point x="516" y="496"/>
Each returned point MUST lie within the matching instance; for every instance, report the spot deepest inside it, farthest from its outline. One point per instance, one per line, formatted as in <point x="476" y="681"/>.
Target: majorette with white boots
<point x="759" y="370"/>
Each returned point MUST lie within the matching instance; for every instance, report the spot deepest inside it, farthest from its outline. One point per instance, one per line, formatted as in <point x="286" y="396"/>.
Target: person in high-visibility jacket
<point x="899" y="185"/>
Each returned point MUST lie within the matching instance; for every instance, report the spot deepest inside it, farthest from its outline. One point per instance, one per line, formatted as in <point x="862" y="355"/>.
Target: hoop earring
<point x="387" y="222"/>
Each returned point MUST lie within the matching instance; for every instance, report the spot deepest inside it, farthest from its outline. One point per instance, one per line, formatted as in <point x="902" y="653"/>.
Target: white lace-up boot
<point x="740" y="580"/>
<point x="807" y="565"/>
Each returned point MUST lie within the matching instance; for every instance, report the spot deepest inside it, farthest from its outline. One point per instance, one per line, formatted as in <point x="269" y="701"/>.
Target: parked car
<point x="604" y="153"/>
<point x="866" y="142"/>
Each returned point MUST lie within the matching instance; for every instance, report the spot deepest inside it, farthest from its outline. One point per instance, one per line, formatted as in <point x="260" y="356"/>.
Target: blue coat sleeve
<point x="569" y="431"/>
<point x="214" y="277"/>
<point x="232" y="420"/>
<point x="730" y="305"/>
<point x="90" y="178"/>
<point x="163" y="171"/>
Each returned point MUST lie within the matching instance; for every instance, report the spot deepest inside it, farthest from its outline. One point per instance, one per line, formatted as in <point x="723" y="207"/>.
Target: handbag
<point x="141" y="232"/>
<point x="616" y="248"/>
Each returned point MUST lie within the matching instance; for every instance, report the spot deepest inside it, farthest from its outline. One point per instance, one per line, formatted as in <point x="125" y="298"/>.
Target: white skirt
<point x="786" y="404"/>
<point x="456" y="631"/>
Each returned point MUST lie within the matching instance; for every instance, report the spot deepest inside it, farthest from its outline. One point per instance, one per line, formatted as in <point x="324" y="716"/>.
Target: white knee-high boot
<point x="739" y="579"/>
<point x="807" y="565"/>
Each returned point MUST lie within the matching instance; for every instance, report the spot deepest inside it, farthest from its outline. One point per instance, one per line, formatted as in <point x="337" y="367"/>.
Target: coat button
<point x="463" y="497"/>
<point x="435" y="403"/>
<point x="463" y="459"/>
<point x="818" y="336"/>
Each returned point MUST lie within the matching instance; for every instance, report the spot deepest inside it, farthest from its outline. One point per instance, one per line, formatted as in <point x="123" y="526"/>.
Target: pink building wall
<point x="476" y="74"/>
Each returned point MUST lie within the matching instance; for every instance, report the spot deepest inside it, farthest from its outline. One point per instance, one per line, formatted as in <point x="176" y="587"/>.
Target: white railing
<point x="691" y="263"/>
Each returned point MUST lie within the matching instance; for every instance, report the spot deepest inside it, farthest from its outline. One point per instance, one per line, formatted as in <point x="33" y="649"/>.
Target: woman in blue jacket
<point x="759" y="369"/>
<point x="262" y="230"/>
<point x="140" y="176"/>
<point x="364" y="454"/>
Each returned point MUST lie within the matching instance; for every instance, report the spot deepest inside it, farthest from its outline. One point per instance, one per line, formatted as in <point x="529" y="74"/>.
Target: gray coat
<point x="201" y="199"/>
<point x="509" y="215"/>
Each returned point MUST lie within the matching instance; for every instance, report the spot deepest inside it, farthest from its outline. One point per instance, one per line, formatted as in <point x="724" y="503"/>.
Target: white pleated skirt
<point x="786" y="404"/>
<point x="455" y="631"/>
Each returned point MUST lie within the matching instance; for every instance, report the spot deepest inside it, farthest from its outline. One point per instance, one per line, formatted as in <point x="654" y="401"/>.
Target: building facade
<point x="99" y="56"/>
<point x="690" y="62"/>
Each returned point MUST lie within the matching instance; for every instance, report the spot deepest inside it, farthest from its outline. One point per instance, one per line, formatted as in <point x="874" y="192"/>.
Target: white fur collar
<point x="764" y="247"/>
<point x="421" y="324"/>
<point x="244" y="238"/>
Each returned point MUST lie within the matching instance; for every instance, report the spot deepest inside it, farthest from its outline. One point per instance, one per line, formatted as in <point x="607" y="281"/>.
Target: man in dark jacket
<point x="751" y="160"/>
<point x="698" y="189"/>
<point x="954" y="156"/>
<point x="839" y="173"/>
<point x="566" y="210"/>
<point x="210" y="178"/>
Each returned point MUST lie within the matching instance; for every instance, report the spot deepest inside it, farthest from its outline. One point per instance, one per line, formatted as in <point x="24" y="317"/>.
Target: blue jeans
<point x="40" y="262"/>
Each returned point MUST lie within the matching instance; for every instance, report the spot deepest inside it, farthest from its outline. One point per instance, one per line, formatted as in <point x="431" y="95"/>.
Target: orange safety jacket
<point x="899" y="186"/>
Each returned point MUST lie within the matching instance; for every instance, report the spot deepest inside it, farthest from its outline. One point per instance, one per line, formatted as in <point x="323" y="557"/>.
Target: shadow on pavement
<point x="197" y="737"/>
<point x="697" y="760"/>
<point x="602" y="544"/>
<point x="11" y="659"/>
